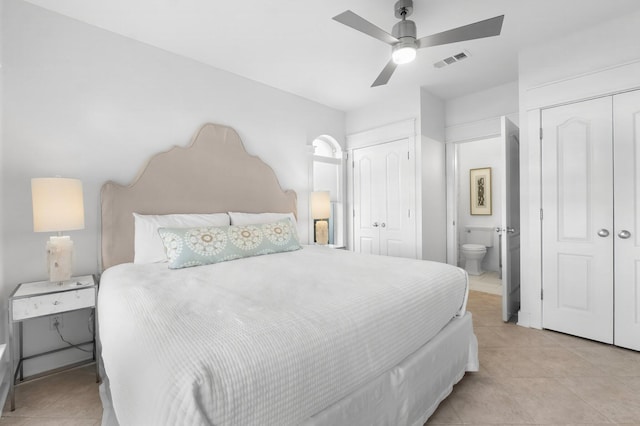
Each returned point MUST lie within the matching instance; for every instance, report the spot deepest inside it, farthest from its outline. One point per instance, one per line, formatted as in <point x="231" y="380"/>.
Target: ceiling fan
<point x="403" y="35"/>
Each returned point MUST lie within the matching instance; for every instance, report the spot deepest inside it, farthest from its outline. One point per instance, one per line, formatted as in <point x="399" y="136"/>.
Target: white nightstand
<point x="44" y="298"/>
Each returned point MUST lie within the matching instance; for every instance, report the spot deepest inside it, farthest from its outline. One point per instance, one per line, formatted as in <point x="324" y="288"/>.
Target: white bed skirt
<point x="407" y="395"/>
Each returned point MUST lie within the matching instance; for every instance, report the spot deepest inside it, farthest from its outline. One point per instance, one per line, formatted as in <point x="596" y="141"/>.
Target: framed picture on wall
<point x="480" y="190"/>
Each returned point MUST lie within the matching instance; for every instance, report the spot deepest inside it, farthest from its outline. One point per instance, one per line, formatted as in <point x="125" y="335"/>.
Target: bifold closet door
<point x="577" y="219"/>
<point x="626" y="113"/>
<point x="382" y="184"/>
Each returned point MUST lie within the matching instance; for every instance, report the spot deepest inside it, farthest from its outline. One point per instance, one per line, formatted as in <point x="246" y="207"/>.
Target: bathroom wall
<point x="474" y="155"/>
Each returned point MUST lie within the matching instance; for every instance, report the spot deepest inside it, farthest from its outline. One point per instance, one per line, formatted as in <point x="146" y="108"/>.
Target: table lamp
<point x="57" y="206"/>
<point x="320" y="212"/>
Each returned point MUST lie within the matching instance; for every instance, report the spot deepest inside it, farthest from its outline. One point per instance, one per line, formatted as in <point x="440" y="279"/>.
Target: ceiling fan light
<point x="403" y="54"/>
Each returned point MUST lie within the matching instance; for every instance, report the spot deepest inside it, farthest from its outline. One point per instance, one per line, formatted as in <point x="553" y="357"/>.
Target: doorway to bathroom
<point x="483" y="213"/>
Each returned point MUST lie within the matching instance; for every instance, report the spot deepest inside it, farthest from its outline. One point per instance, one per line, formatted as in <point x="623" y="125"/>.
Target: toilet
<point x="478" y="239"/>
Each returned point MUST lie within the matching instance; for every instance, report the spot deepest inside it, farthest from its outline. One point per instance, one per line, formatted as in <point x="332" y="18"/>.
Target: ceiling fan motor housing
<point x="404" y="28"/>
<point x="404" y="50"/>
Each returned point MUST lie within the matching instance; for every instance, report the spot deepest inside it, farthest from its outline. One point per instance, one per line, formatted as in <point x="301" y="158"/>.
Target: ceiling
<point x="294" y="45"/>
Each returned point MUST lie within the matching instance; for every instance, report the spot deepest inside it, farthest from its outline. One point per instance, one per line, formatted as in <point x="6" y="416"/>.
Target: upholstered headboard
<point x="213" y="175"/>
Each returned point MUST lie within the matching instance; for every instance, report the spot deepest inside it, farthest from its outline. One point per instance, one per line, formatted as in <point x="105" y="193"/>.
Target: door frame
<point x="604" y="81"/>
<point x="487" y="129"/>
<point x="405" y="129"/>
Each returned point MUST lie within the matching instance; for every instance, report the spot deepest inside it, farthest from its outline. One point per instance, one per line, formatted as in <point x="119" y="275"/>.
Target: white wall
<point x="474" y="155"/>
<point x="492" y="102"/>
<point x="432" y="177"/>
<point x="598" y="61"/>
<point x="82" y="102"/>
<point x="477" y="115"/>
<point x="401" y="106"/>
<point x="3" y="313"/>
<point x="611" y="43"/>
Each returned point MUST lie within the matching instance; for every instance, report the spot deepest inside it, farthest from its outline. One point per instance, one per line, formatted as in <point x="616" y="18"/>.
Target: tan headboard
<point x="213" y="175"/>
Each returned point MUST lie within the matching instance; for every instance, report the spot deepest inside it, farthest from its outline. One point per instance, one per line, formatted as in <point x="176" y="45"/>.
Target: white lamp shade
<point x="57" y="204"/>
<point x="320" y="205"/>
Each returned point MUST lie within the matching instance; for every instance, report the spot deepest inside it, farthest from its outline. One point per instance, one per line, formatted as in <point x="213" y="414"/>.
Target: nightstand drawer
<point x="47" y="304"/>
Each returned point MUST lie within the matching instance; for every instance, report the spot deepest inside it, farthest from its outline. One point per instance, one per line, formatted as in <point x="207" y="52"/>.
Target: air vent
<point x="452" y="59"/>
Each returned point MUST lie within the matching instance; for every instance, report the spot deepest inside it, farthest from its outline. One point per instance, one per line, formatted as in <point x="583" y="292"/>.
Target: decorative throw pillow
<point x="186" y="247"/>
<point x="147" y="245"/>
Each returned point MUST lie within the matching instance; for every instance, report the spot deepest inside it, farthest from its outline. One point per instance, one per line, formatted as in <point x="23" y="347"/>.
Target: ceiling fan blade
<point x="357" y="22"/>
<point x="481" y="29"/>
<point x="385" y="75"/>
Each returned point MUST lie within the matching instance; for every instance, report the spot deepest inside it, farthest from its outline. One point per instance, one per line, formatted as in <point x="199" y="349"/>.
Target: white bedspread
<point x="269" y="340"/>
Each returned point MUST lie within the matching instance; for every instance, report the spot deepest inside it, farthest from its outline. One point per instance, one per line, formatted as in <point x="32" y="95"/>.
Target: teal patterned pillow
<point x="186" y="247"/>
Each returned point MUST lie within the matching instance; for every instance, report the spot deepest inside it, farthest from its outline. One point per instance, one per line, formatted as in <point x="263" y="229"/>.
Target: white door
<point x="577" y="219"/>
<point x="627" y="215"/>
<point x="383" y="179"/>
<point x="366" y="201"/>
<point x="510" y="232"/>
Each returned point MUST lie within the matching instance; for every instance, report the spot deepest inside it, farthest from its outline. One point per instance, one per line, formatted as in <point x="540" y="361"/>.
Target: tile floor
<point x="488" y="282"/>
<point x="64" y="399"/>
<point x="541" y="377"/>
<point x="526" y="376"/>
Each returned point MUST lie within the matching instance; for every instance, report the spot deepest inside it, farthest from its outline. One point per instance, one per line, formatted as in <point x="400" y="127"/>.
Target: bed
<point x="303" y="335"/>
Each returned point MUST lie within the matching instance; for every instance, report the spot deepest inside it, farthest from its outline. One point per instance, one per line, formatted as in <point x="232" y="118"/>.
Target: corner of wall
<point x="3" y="293"/>
<point x="432" y="116"/>
<point x="432" y="176"/>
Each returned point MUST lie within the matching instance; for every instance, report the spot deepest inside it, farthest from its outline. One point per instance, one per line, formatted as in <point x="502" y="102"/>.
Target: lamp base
<point x="322" y="232"/>
<point x="59" y="258"/>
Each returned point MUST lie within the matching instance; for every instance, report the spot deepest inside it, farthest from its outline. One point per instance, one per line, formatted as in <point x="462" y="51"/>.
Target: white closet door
<point x="577" y="225"/>
<point x="383" y="182"/>
<point x="367" y="200"/>
<point x="627" y="216"/>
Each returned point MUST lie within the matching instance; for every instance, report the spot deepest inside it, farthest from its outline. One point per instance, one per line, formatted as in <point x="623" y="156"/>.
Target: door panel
<point x="574" y="272"/>
<point x="510" y="232"/>
<point x="367" y="240"/>
<point x="393" y="189"/>
<point x="627" y="215"/>
<point x="396" y="238"/>
<point x="394" y="248"/>
<point x="577" y="203"/>
<point x="367" y="244"/>
<point x="574" y="181"/>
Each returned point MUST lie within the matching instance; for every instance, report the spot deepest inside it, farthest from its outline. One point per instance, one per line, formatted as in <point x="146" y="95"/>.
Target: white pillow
<point x="259" y="218"/>
<point x="148" y="247"/>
